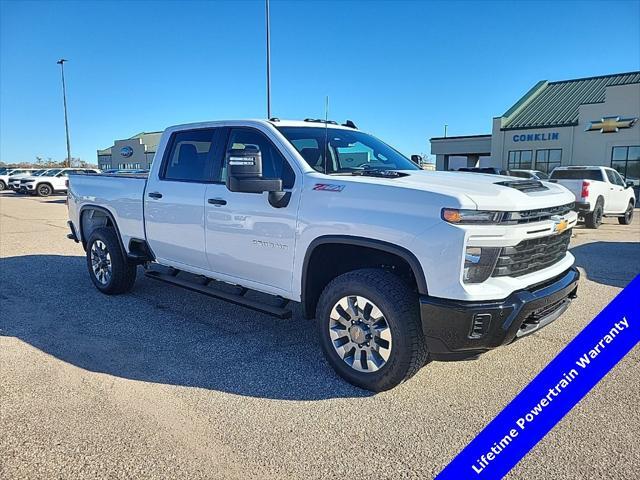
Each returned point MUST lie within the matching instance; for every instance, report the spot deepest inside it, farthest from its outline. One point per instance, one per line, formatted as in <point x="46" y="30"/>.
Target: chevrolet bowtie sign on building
<point x="584" y="121"/>
<point x="611" y="124"/>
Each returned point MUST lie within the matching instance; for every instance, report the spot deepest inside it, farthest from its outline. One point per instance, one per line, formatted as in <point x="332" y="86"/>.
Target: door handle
<point x="218" y="202"/>
<point x="155" y="194"/>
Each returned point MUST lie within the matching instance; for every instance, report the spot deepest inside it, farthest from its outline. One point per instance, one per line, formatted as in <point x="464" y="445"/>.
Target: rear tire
<point x="628" y="215"/>
<point x="594" y="219"/>
<point x="44" y="190"/>
<point x="406" y="350"/>
<point x="109" y="269"/>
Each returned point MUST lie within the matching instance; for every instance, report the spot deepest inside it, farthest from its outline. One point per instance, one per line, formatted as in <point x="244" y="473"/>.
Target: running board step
<point x="238" y="299"/>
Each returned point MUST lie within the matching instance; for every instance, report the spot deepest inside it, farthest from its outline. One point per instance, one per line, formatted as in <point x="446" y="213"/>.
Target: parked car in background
<point x="489" y="170"/>
<point x="54" y="181"/>
<point x="7" y="173"/>
<point x="14" y="180"/>
<point x="125" y="171"/>
<point x="599" y="191"/>
<point x="321" y="214"/>
<point x="530" y="174"/>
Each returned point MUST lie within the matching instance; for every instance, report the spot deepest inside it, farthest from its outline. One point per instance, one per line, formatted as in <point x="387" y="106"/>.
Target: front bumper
<point x="456" y="329"/>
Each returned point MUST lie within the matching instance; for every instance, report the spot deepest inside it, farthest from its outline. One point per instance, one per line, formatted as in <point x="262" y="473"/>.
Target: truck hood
<point x="483" y="190"/>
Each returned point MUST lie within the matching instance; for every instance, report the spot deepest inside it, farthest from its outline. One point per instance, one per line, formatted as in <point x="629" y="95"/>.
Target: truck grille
<point x="532" y="255"/>
<point x="538" y="215"/>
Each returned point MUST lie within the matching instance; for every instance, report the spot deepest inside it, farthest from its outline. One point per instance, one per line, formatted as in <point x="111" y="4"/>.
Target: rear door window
<point x="190" y="157"/>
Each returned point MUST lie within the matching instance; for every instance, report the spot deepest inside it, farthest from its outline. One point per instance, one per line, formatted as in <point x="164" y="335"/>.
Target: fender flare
<point x="387" y="247"/>
<point x="108" y="213"/>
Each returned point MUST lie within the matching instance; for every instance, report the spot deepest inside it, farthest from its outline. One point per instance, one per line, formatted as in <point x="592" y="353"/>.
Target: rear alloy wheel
<point x="369" y="327"/>
<point x="594" y="219"/>
<point x="44" y="190"/>
<point x="628" y="215"/>
<point x="110" y="270"/>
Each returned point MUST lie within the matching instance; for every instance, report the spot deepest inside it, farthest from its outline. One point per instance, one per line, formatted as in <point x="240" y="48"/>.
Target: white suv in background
<point x="14" y="180"/>
<point x="7" y="173"/>
<point x="54" y="181"/>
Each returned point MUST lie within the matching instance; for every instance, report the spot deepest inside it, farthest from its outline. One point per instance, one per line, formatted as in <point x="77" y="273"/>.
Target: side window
<point x="274" y="164"/>
<point x="64" y="173"/>
<point x="190" y="156"/>
<point x="618" y="179"/>
<point x="611" y="176"/>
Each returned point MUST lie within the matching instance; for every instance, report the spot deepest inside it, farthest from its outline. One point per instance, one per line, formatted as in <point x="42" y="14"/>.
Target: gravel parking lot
<point x="166" y="383"/>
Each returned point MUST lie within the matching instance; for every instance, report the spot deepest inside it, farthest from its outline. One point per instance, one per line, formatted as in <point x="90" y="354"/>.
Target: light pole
<point x="64" y="100"/>
<point x="268" y="61"/>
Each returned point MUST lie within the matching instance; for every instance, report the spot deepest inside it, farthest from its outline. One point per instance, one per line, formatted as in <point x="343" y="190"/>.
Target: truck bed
<point x="121" y="195"/>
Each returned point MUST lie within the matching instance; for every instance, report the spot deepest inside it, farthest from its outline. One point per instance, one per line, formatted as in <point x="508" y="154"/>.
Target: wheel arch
<point x="313" y="282"/>
<point x="88" y="224"/>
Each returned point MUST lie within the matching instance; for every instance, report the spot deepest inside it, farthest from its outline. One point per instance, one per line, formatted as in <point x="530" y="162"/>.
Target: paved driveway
<point x="165" y="383"/>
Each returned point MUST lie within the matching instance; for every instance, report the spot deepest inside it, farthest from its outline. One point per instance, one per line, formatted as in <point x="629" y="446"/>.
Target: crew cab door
<point x="616" y="199"/>
<point x="248" y="240"/>
<point x="174" y="198"/>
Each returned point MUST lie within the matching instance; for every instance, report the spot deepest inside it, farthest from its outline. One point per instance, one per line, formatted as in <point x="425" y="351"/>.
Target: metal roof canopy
<point x="556" y="104"/>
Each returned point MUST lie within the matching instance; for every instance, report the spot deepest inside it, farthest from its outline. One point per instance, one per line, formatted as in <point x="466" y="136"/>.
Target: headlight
<point x="456" y="216"/>
<point x="479" y="263"/>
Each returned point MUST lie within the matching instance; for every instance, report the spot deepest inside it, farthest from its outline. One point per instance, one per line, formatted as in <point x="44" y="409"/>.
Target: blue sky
<point x="399" y="69"/>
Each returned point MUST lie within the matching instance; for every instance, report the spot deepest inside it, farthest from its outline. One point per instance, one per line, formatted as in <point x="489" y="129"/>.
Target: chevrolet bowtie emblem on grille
<point x="560" y="226"/>
<point x="611" y="124"/>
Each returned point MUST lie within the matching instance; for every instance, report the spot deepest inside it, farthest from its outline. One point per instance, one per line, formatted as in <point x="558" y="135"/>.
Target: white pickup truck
<point x="397" y="265"/>
<point x="599" y="192"/>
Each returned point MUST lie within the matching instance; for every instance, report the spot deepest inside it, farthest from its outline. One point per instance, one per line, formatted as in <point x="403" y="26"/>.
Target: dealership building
<point x="586" y="121"/>
<point x="132" y="153"/>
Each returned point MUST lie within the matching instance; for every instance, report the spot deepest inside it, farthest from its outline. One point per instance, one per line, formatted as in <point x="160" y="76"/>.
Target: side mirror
<point x="244" y="172"/>
<point x="630" y="184"/>
<point x="417" y="159"/>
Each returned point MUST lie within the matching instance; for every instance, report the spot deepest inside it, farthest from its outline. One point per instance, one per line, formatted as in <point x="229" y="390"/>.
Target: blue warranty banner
<point x="550" y="396"/>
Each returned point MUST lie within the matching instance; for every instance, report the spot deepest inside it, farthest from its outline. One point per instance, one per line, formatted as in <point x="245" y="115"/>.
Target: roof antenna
<point x="326" y="131"/>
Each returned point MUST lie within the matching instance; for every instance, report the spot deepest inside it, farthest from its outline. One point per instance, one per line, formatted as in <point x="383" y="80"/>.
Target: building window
<point x="520" y="159"/>
<point x="626" y="160"/>
<point x="547" y="160"/>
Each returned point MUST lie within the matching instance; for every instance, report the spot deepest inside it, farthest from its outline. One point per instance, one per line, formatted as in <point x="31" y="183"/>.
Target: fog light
<point x="479" y="263"/>
<point x="480" y="325"/>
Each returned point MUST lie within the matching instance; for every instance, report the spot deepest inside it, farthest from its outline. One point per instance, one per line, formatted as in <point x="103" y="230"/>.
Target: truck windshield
<point x="347" y="151"/>
<point x="577" y="174"/>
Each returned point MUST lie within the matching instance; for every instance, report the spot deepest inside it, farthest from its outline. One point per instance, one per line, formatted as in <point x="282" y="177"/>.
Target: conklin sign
<point x="536" y="137"/>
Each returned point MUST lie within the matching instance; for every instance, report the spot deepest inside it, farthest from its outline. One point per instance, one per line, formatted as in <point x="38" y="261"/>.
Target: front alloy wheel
<point x="370" y="330"/>
<point x="360" y="333"/>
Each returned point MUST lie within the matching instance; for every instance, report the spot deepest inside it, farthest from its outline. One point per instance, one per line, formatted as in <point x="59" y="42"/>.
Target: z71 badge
<point x="328" y="187"/>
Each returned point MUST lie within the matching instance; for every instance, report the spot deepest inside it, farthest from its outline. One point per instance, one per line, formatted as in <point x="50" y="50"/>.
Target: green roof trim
<point x="526" y="98"/>
<point x="557" y="104"/>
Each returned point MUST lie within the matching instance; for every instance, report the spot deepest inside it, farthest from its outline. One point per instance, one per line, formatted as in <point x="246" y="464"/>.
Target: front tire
<point x="2" y="185"/>
<point x="628" y="215"/>
<point x="44" y="190"/>
<point x="109" y="269"/>
<point x="369" y="329"/>
<point x="594" y="219"/>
